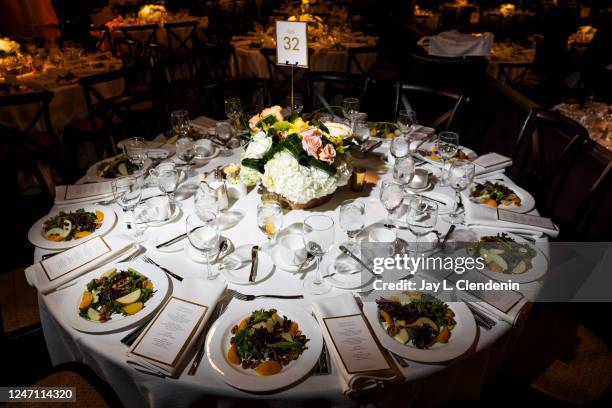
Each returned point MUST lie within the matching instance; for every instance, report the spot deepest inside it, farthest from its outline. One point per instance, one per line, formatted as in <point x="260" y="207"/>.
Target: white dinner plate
<point x="280" y="263"/>
<point x="92" y="171"/>
<point x="527" y="200"/>
<point x="449" y="201"/>
<point x="240" y="276"/>
<point x="341" y="271"/>
<point x="165" y="235"/>
<point x="539" y="264"/>
<point x="218" y="343"/>
<point x="70" y="306"/>
<point x="471" y="155"/>
<point x="35" y="234"/>
<point x="461" y="340"/>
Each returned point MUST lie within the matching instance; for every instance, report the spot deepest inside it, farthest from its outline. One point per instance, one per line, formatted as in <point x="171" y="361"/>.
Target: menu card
<point x="171" y="331"/>
<point x="491" y="159"/>
<point x="525" y="219"/>
<point x="76" y="191"/>
<point x="355" y="344"/>
<point x="503" y="301"/>
<point x="75" y="257"/>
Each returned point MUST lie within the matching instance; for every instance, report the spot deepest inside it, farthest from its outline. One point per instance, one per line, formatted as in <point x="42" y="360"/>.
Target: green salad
<point x="117" y="167"/>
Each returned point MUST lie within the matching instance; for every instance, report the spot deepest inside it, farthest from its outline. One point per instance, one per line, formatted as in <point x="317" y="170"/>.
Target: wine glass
<point x="180" y="122"/>
<point x="391" y="196"/>
<point x="350" y="110"/>
<point x="403" y="170"/>
<point x="223" y="131"/>
<point x="203" y="235"/>
<point x="296" y="105"/>
<point x="233" y="109"/>
<point x="185" y="150"/>
<point x="460" y="177"/>
<point x="127" y="192"/>
<point x="400" y="147"/>
<point x="270" y="219"/>
<point x="352" y="221"/>
<point x="421" y="218"/>
<point x="136" y="152"/>
<point x="318" y="235"/>
<point x="167" y="181"/>
<point x="406" y="119"/>
<point x="447" y="146"/>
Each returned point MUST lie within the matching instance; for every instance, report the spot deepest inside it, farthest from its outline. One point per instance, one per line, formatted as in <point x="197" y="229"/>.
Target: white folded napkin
<point x="491" y="162"/>
<point x="352" y="384"/>
<point x="485" y="216"/>
<point x="121" y="245"/>
<point x="203" y="292"/>
<point x="455" y="44"/>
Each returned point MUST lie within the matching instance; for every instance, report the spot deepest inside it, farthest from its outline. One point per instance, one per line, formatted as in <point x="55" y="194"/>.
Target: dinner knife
<point x="349" y="253"/>
<point x="374" y="146"/>
<point x="171" y="241"/>
<point x="254" y="257"/>
<point x="448" y="233"/>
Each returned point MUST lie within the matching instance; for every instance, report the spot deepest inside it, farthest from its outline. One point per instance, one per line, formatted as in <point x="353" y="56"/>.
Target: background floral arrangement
<point x="298" y="159"/>
<point x="152" y="14"/>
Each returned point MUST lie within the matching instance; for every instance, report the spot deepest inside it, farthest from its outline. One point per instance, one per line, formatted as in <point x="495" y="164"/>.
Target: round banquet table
<point x="426" y="384"/>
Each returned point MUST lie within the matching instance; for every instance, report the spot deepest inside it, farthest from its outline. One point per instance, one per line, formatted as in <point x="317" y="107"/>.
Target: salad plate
<point x="69" y="226"/>
<point x="437" y="333"/>
<point x="118" y="166"/>
<point x="500" y="194"/>
<point x="509" y="257"/>
<point x="304" y="338"/>
<point x="427" y="152"/>
<point x="127" y="292"/>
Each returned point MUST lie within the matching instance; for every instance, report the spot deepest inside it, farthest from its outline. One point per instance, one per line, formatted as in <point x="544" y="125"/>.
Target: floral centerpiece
<point x="584" y="35"/>
<point x="152" y="14"/>
<point x="303" y="161"/>
<point x="11" y="59"/>
<point x="507" y="9"/>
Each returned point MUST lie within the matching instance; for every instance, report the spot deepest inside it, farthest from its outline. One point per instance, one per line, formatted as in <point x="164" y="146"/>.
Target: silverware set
<point x="169" y="272"/>
<point x="219" y="309"/>
<point x="242" y="296"/>
<point x="481" y="319"/>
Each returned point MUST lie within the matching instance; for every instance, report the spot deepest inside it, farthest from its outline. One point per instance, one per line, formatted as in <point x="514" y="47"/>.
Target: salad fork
<point x="152" y="262"/>
<point x="242" y="296"/>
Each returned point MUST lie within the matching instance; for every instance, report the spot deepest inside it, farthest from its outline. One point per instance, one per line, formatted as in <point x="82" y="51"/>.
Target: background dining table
<point x="426" y="384"/>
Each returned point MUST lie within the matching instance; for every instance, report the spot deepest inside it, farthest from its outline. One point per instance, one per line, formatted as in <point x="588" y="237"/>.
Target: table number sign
<point x="291" y="44"/>
<point x="167" y="337"/>
<point x="355" y="344"/>
<point x="525" y="219"/>
<point x="75" y="257"/>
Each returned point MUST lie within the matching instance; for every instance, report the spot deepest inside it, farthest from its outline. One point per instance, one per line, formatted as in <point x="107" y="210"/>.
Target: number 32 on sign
<point x="291" y="44"/>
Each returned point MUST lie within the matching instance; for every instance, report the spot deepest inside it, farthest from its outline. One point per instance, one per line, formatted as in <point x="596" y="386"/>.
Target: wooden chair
<point x="253" y="92"/>
<point x="505" y="69"/>
<point x="181" y="41"/>
<point x="216" y="59"/>
<point x="35" y="149"/>
<point x="435" y="108"/>
<point x="353" y="63"/>
<point x="326" y="90"/>
<point x="104" y="39"/>
<point x="146" y="34"/>
<point x="280" y="75"/>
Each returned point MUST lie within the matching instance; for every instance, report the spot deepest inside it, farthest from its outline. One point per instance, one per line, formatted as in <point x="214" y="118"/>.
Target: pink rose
<point x="275" y="111"/>
<point x="253" y="122"/>
<point x="327" y="154"/>
<point x="311" y="142"/>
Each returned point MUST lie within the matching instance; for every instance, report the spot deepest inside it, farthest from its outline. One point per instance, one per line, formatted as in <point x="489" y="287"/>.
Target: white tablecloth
<point x="428" y="385"/>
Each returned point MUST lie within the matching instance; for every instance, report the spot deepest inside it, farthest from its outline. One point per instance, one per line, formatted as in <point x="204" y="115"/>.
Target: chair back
<point x="326" y="90"/>
<point x="104" y="40"/>
<point x="39" y="99"/>
<point x="280" y="75"/>
<point x="98" y="106"/>
<point x="128" y="49"/>
<point x="358" y="58"/>
<point x="181" y="36"/>
<point x="434" y="108"/>
<point x="254" y="94"/>
<point x="520" y="70"/>
<point x="146" y="34"/>
<point x="216" y="60"/>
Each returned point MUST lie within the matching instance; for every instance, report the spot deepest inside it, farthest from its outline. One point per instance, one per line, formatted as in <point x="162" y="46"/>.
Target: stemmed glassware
<point x="223" y="131"/>
<point x="407" y="120"/>
<point x="127" y="192"/>
<point x="391" y="196"/>
<point x="400" y="146"/>
<point x="447" y="146"/>
<point x="318" y="235"/>
<point x="185" y="150"/>
<point x="350" y="110"/>
<point x="421" y="217"/>
<point x="136" y="152"/>
<point x="460" y="177"/>
<point x="167" y="181"/>
<point x="206" y="199"/>
<point x="233" y="109"/>
<point x="181" y="125"/>
<point x="352" y="221"/>
<point x="203" y="235"/>
<point x="270" y="219"/>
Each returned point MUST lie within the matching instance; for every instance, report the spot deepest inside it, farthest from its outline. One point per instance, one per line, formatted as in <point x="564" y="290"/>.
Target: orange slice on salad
<point x="86" y="300"/>
<point x="99" y="215"/>
<point x="133" y="308"/>
<point x="270" y="367"/>
<point x="232" y="355"/>
<point x="81" y="234"/>
<point x="54" y="237"/>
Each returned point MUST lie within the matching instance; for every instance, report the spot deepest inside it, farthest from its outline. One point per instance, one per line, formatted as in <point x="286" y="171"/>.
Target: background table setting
<point x="202" y="254"/>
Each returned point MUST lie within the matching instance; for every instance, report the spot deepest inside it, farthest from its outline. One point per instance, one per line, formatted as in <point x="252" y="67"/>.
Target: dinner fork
<point x="152" y="262"/>
<point x="242" y="296"/>
<point x="221" y="306"/>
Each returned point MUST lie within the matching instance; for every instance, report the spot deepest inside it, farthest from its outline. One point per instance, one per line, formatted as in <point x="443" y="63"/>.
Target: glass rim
<point x="321" y="216"/>
<point x="200" y="220"/>
<point x="351" y="201"/>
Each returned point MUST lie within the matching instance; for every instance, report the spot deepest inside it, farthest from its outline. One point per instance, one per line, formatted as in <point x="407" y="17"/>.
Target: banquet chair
<point x="505" y="68"/>
<point x="326" y="90"/>
<point x="181" y="42"/>
<point x="254" y="94"/>
<point x="435" y="108"/>
<point x="146" y="34"/>
<point x="30" y="147"/>
<point x="217" y="60"/>
<point x="104" y="39"/>
<point x="280" y="75"/>
<point x="354" y="65"/>
<point x="129" y="50"/>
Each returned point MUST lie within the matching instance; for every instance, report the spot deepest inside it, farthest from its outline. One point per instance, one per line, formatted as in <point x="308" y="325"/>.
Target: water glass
<point x="350" y="110"/>
<point x="403" y="170"/>
<point x="181" y="125"/>
<point x="135" y="150"/>
<point x="203" y="235"/>
<point x="352" y="221"/>
<point x="318" y="235"/>
<point x="400" y="147"/>
<point x="185" y="150"/>
<point x="460" y="177"/>
<point x="447" y="146"/>
<point x="167" y="181"/>
<point x="391" y="196"/>
<point x="270" y="219"/>
<point x="127" y="192"/>
<point x="406" y="119"/>
<point x="223" y="130"/>
<point x="421" y="218"/>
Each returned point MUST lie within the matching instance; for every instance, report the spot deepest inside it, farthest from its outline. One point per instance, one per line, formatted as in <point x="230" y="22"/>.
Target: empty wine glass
<point x="223" y="131"/>
<point x="233" y="109"/>
<point x="391" y="196"/>
<point x="318" y="235"/>
<point x="447" y="146"/>
<point x="296" y="105"/>
<point x="352" y="221"/>
<point x="136" y="152"/>
<point x="460" y="177"/>
<point x="421" y="218"/>
<point x="181" y="125"/>
<point x="406" y="119"/>
<point x="203" y="235"/>
<point x="270" y="219"/>
<point x="185" y="150"/>
<point x="127" y="192"/>
<point x="350" y="110"/>
<point x="168" y="180"/>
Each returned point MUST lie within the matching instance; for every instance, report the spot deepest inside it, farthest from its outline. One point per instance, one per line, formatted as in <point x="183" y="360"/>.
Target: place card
<point x="355" y="344"/>
<point x="525" y="219"/>
<point x="491" y="159"/>
<point x="76" y="191"/>
<point x="75" y="257"/>
<point x="170" y="332"/>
